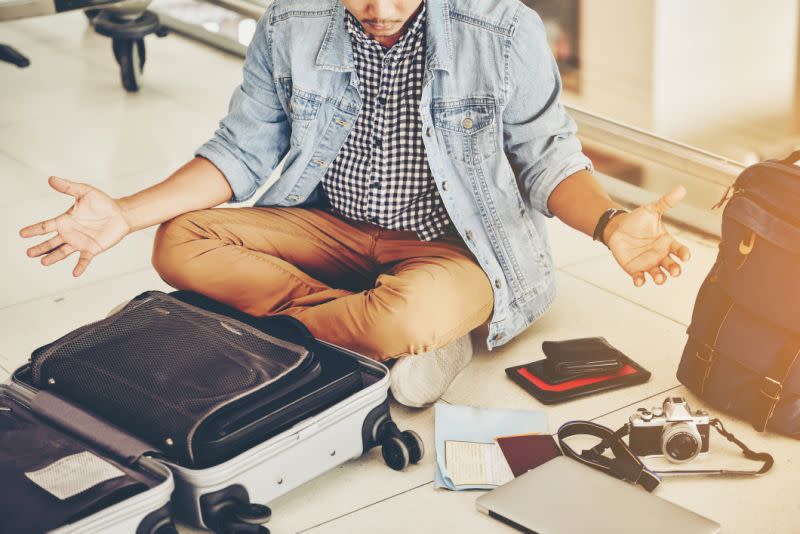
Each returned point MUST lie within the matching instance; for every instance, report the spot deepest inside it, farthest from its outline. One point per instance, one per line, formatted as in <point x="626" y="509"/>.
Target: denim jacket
<point x="497" y="138"/>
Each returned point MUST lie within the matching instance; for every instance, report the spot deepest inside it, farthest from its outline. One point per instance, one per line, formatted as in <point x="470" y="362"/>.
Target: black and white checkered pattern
<point x="381" y="175"/>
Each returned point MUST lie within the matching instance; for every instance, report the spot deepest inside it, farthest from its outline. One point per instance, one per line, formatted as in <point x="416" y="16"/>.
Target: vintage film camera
<point x="673" y="431"/>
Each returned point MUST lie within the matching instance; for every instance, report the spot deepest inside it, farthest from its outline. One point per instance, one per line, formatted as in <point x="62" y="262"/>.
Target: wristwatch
<point x="605" y="218"/>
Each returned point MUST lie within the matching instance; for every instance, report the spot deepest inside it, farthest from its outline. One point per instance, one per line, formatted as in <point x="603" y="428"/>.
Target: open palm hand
<point x="641" y="244"/>
<point x="93" y="224"/>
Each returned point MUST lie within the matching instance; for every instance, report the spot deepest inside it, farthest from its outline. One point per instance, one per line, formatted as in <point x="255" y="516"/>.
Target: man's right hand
<point x="94" y="223"/>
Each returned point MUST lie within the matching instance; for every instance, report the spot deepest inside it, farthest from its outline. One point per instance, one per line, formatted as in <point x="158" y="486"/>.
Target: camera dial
<point x="680" y="442"/>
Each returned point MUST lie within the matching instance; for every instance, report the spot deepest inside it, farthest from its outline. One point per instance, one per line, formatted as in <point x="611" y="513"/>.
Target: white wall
<point x="616" y="40"/>
<point x="722" y="62"/>
<point x="690" y="69"/>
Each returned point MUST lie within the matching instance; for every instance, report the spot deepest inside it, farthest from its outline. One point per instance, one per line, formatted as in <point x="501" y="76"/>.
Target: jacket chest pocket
<point x="468" y="128"/>
<point x="303" y="107"/>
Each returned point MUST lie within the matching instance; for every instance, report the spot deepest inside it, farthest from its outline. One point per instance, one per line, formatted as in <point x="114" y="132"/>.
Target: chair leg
<point x="10" y="54"/>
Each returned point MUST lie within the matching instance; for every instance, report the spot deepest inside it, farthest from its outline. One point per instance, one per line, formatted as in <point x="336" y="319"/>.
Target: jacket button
<point x="469" y="234"/>
<point x="467" y="124"/>
<point x="444" y="186"/>
<point x="294" y="198"/>
<point x="498" y="337"/>
<point x="498" y="283"/>
<point x="429" y="131"/>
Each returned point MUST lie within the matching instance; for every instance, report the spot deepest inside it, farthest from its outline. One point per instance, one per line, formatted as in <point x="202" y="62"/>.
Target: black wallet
<point x="574" y="358"/>
<point x="536" y="379"/>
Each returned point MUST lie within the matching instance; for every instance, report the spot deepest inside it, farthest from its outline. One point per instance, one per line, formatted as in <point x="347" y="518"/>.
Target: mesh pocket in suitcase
<point x="160" y="367"/>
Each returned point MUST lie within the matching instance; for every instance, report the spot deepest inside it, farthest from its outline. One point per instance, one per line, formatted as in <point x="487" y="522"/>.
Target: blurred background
<point x="664" y="91"/>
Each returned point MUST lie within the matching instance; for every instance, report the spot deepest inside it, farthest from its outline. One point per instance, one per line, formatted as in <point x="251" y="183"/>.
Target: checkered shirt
<point x="381" y="174"/>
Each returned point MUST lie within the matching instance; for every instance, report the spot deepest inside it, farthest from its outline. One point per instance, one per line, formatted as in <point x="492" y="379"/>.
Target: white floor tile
<point x="357" y="483"/>
<point x="200" y="78"/>
<point x="741" y="505"/>
<point x="4" y="372"/>
<point x="122" y="134"/>
<point x="570" y="246"/>
<point x="27" y="279"/>
<point x="66" y="30"/>
<point x="423" y="509"/>
<point x="25" y="327"/>
<point x="580" y="310"/>
<point x="55" y="82"/>
<point x="20" y="182"/>
<point x="674" y="299"/>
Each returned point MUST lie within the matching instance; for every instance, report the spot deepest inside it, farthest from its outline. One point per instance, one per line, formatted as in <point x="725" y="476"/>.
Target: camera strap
<point x="625" y="465"/>
<point x="750" y="454"/>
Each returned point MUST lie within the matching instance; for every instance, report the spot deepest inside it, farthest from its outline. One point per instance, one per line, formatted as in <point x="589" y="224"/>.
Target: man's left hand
<point x="641" y="244"/>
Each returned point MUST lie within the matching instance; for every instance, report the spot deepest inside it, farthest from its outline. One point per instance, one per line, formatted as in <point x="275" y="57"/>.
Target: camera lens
<point x="680" y="442"/>
<point x="681" y="447"/>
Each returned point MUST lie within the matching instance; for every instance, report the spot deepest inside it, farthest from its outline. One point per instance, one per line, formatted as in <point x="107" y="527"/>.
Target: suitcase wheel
<point x="251" y="514"/>
<point x="399" y="448"/>
<point x="414" y="444"/>
<point x="231" y="515"/>
<point x="395" y="453"/>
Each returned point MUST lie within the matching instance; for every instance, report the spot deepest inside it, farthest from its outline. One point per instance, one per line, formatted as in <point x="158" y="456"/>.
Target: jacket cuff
<point x="553" y="176"/>
<point x="231" y="167"/>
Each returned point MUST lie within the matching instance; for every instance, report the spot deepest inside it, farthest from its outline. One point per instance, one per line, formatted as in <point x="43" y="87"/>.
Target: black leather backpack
<point x="743" y="352"/>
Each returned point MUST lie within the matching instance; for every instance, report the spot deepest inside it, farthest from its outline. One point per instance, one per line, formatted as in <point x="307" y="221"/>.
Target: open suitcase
<point x="324" y="407"/>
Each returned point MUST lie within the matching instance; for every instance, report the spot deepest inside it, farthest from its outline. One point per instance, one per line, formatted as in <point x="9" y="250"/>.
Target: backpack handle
<point x="793" y="158"/>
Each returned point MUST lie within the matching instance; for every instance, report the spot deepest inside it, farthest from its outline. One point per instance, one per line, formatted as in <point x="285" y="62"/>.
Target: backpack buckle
<point x="771" y="389"/>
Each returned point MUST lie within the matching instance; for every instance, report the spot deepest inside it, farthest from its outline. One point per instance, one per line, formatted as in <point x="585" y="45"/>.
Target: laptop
<point x="565" y="496"/>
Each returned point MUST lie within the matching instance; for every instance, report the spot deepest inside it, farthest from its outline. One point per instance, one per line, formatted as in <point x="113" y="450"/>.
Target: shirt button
<point x="467" y="124"/>
<point x="469" y="234"/>
<point x="498" y="283"/>
<point x="444" y="186"/>
<point x="429" y="131"/>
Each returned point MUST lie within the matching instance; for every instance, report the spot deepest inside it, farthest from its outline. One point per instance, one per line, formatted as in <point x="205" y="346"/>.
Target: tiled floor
<point x="67" y="115"/>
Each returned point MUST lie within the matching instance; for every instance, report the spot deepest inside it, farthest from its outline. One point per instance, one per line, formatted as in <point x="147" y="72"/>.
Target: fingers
<point x="47" y="246"/>
<point x="65" y="186"/>
<point x="83" y="263"/>
<point x="40" y="228"/>
<point x="670" y="200"/>
<point x="658" y="275"/>
<point x="671" y="266"/>
<point x="680" y="250"/>
<point x="58" y="254"/>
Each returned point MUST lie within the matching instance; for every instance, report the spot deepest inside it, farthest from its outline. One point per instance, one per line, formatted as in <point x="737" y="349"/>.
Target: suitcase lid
<point x="74" y="484"/>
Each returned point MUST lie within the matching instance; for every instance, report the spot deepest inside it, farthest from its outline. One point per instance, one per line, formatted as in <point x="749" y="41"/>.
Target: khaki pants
<point x="382" y="293"/>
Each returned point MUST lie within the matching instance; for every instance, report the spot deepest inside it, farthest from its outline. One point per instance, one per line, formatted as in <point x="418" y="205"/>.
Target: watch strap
<point x="605" y="218"/>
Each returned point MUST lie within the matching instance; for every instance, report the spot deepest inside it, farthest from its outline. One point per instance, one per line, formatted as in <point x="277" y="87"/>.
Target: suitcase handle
<point x="793" y="158"/>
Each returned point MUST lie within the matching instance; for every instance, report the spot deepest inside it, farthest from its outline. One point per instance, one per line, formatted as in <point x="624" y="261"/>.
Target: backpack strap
<point x="720" y="308"/>
<point x="769" y="393"/>
<point x="793" y="158"/>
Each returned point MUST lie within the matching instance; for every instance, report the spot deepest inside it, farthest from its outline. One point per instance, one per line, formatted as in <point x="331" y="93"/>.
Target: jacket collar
<point x="336" y="51"/>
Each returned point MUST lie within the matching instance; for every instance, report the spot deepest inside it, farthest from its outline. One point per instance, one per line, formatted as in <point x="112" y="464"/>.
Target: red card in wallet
<point x="527" y="451"/>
